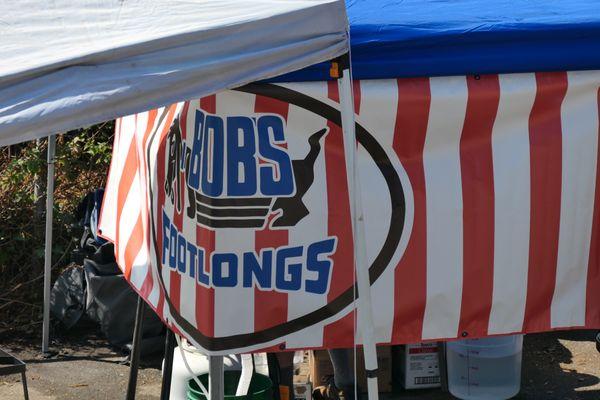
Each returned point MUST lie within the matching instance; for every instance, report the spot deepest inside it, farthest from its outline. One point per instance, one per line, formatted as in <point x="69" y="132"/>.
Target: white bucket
<point x="485" y="369"/>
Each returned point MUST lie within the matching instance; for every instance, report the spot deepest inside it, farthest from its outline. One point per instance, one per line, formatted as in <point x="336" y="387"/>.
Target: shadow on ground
<point x="561" y="365"/>
<point x="556" y="366"/>
<point x="83" y="365"/>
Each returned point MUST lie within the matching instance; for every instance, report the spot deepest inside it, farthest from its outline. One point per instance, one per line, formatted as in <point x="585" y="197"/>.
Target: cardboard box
<point x="320" y="367"/>
<point x="417" y="366"/>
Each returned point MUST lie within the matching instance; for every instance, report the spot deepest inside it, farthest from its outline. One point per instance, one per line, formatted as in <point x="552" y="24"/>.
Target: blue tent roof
<point x="402" y="38"/>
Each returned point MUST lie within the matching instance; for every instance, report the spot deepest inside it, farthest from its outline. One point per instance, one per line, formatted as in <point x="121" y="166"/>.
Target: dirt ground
<point x="560" y="365"/>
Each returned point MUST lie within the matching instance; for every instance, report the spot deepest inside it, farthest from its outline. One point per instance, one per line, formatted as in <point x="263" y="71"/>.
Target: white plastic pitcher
<point x="485" y="369"/>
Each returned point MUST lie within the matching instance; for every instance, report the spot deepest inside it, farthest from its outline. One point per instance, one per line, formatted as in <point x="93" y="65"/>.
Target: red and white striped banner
<point x="230" y="214"/>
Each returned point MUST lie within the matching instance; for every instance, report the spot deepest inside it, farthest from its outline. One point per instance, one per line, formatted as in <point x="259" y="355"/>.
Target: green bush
<point x="82" y="162"/>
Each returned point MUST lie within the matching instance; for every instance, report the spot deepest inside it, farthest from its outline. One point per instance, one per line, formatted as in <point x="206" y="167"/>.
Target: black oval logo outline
<point x="397" y="221"/>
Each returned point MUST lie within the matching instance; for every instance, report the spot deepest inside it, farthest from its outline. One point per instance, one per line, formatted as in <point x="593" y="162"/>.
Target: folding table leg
<point x="25" y="391"/>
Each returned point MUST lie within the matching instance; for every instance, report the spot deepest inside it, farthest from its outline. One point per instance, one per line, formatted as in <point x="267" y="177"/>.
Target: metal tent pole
<point x="443" y="366"/>
<point x="165" y="390"/>
<point x="216" y="379"/>
<point x="48" y="243"/>
<point x="365" y="320"/>
<point x="134" y="356"/>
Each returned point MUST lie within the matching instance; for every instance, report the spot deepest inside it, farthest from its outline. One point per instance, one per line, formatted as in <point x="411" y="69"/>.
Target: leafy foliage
<point x="81" y="164"/>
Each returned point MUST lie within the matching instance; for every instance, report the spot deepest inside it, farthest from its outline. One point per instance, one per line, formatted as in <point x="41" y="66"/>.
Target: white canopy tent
<point x="71" y="64"/>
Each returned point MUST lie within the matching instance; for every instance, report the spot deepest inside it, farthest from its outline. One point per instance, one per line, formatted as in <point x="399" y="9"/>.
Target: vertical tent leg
<point x="165" y="389"/>
<point x="215" y="376"/>
<point x="48" y="244"/>
<point x="135" y="349"/>
<point x="443" y="366"/>
<point x="274" y="374"/>
<point x="365" y="311"/>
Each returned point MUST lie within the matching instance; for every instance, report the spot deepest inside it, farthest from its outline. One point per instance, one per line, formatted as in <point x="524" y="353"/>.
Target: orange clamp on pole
<point x="334" y="70"/>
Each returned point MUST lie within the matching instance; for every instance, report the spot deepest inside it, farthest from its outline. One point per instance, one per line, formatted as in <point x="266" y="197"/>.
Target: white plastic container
<point x="198" y="362"/>
<point x="485" y="369"/>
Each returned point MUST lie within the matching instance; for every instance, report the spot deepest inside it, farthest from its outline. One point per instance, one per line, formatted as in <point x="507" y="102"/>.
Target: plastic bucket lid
<point x="261" y="387"/>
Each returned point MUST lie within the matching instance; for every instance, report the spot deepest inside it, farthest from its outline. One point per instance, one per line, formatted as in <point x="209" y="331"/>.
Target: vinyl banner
<point x="231" y="215"/>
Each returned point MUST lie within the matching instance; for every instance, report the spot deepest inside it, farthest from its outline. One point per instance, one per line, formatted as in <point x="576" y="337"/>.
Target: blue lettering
<point x="203" y="277"/>
<point x="212" y="183"/>
<point x="218" y="277"/>
<point x="241" y="154"/>
<point x="166" y="231"/>
<point x="293" y="270"/>
<point x="269" y="185"/>
<point x="321" y="267"/>
<point x="308" y="267"/>
<point x="254" y="271"/>
<point x="181" y="257"/>
<point x="195" y="156"/>
<point x="193" y="251"/>
<point x="173" y="248"/>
